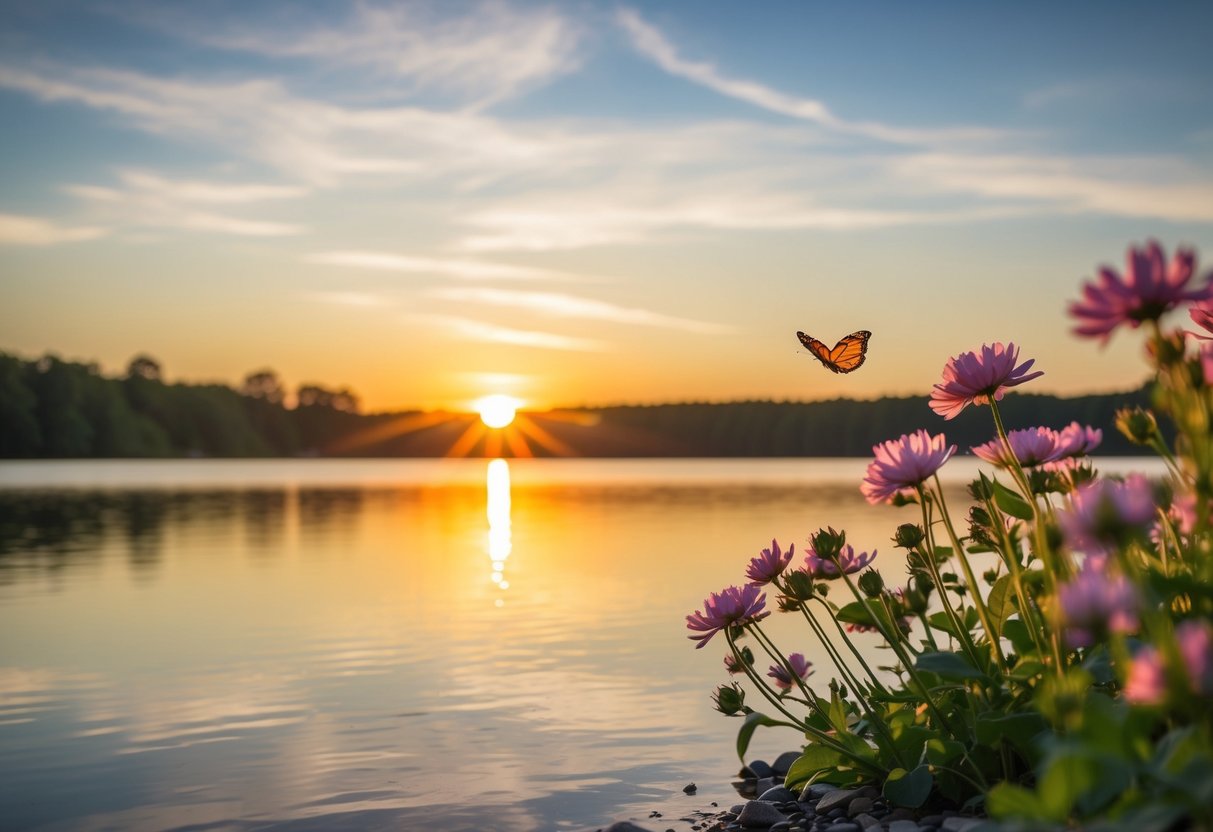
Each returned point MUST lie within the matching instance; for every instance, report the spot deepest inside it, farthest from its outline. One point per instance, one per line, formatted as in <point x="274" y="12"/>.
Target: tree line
<point x="56" y="409"/>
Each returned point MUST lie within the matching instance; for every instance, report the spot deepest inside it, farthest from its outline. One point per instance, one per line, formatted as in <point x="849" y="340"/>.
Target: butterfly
<point x="847" y="355"/>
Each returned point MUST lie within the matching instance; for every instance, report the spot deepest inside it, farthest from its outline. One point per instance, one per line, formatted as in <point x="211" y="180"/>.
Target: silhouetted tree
<point x="19" y="432"/>
<point x="145" y="367"/>
<point x="263" y="385"/>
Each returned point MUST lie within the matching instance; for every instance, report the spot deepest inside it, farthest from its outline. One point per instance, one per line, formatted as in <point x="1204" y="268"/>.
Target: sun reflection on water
<point x="500" y="539"/>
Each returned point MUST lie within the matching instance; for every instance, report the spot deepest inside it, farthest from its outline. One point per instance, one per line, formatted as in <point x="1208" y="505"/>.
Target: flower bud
<point x="799" y="584"/>
<point x="908" y="536"/>
<point x="917" y="594"/>
<point x="729" y="699"/>
<point x="871" y="583"/>
<point x="1167" y="349"/>
<point x="982" y="489"/>
<point x="827" y="543"/>
<point x="1138" y="425"/>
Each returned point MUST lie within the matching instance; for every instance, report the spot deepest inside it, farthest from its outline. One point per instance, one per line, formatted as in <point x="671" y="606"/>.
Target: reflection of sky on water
<point x="317" y="653"/>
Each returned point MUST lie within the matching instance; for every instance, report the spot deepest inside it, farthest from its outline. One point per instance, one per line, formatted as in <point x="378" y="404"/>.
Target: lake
<point x="418" y="644"/>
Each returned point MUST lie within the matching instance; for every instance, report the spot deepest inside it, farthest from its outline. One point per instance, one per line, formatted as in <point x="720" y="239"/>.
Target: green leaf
<point x="942" y="621"/>
<point x="1006" y="800"/>
<point x="1068" y="776"/>
<point x="1011" y="503"/>
<point x="1017" y="729"/>
<point x="814" y="760"/>
<point x="837" y="713"/>
<point x="752" y="721"/>
<point x="909" y="788"/>
<point x="1001" y="602"/>
<point x="855" y="613"/>
<point x="1017" y="633"/>
<point x="950" y="666"/>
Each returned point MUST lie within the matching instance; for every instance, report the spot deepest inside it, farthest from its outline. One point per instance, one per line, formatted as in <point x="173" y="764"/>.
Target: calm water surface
<point x="453" y="644"/>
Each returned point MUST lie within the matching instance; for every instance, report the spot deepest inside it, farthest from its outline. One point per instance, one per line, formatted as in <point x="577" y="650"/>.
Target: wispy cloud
<point x="18" y="230"/>
<point x="364" y="300"/>
<point x="1129" y="187"/>
<point x="147" y="200"/>
<point x="651" y="43"/>
<point x="569" y="306"/>
<point x="445" y="267"/>
<point x="473" y="330"/>
<point x="306" y="139"/>
<point x="490" y="53"/>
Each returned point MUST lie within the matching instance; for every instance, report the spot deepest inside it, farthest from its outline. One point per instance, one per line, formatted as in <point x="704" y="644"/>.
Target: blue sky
<point x="589" y="202"/>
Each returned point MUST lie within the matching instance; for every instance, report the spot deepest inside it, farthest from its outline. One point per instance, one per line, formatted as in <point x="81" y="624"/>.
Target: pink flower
<point x="1032" y="447"/>
<point x="1077" y="440"/>
<point x="1147" y="680"/>
<point x="1206" y="362"/>
<point x="848" y="562"/>
<point x="731" y="607"/>
<point x="1151" y="289"/>
<point x="1105" y="513"/>
<point x="1096" y="602"/>
<point x="732" y="665"/>
<point x="1202" y="314"/>
<point x="1195" y="640"/>
<point x="972" y="378"/>
<point x="904" y="463"/>
<point x="783" y="680"/>
<point x="769" y="565"/>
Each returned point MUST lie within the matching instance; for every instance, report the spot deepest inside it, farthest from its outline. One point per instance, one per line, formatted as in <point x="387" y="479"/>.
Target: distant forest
<point x="55" y="409"/>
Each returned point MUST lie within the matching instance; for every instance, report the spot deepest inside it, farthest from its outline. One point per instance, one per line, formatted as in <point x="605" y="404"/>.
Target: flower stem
<point x="983" y="612"/>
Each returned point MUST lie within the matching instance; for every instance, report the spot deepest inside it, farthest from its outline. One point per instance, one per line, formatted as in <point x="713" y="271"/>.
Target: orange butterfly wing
<point x="846" y="356"/>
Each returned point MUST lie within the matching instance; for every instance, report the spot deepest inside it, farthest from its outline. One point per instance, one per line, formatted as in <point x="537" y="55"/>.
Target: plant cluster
<point x="1071" y="682"/>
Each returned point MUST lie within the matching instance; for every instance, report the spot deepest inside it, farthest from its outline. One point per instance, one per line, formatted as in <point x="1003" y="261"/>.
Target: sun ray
<point x="467" y="440"/>
<point x="543" y="438"/>
<point x="492" y="444"/>
<point x="388" y="430"/>
<point x="517" y="443"/>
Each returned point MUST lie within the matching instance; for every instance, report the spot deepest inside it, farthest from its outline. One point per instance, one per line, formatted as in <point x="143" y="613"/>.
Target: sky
<point x="590" y="203"/>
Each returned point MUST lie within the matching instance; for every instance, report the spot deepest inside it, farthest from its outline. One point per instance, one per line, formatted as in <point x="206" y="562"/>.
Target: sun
<point x="497" y="411"/>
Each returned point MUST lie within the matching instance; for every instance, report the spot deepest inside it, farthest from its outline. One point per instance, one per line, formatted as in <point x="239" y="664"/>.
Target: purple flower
<point x="733" y="665"/>
<point x="848" y="562"/>
<point x="1206" y="362"/>
<point x="1202" y="314"/>
<point x="1195" y="640"/>
<point x="731" y="607"/>
<point x="1150" y="290"/>
<point x="769" y="565"/>
<point x="1096" y="602"/>
<point x="1032" y="447"/>
<point x="783" y="680"/>
<point x="1147" y="680"/>
<point x="1077" y="440"/>
<point x="973" y="378"/>
<point x="1104" y="513"/>
<point x="904" y="463"/>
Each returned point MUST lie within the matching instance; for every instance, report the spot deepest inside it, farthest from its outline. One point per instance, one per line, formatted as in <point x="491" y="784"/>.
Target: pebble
<point x="958" y="824"/>
<point x="837" y="798"/>
<point x="866" y="820"/>
<point x="778" y="794"/>
<point x="765" y="784"/>
<point x="817" y="790"/>
<point x="760" y="814"/>
<point x="846" y="826"/>
<point x="758" y="769"/>
<point x="625" y="826"/>
<point x="903" y="826"/>
<point x="931" y="820"/>
<point x="859" y="806"/>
